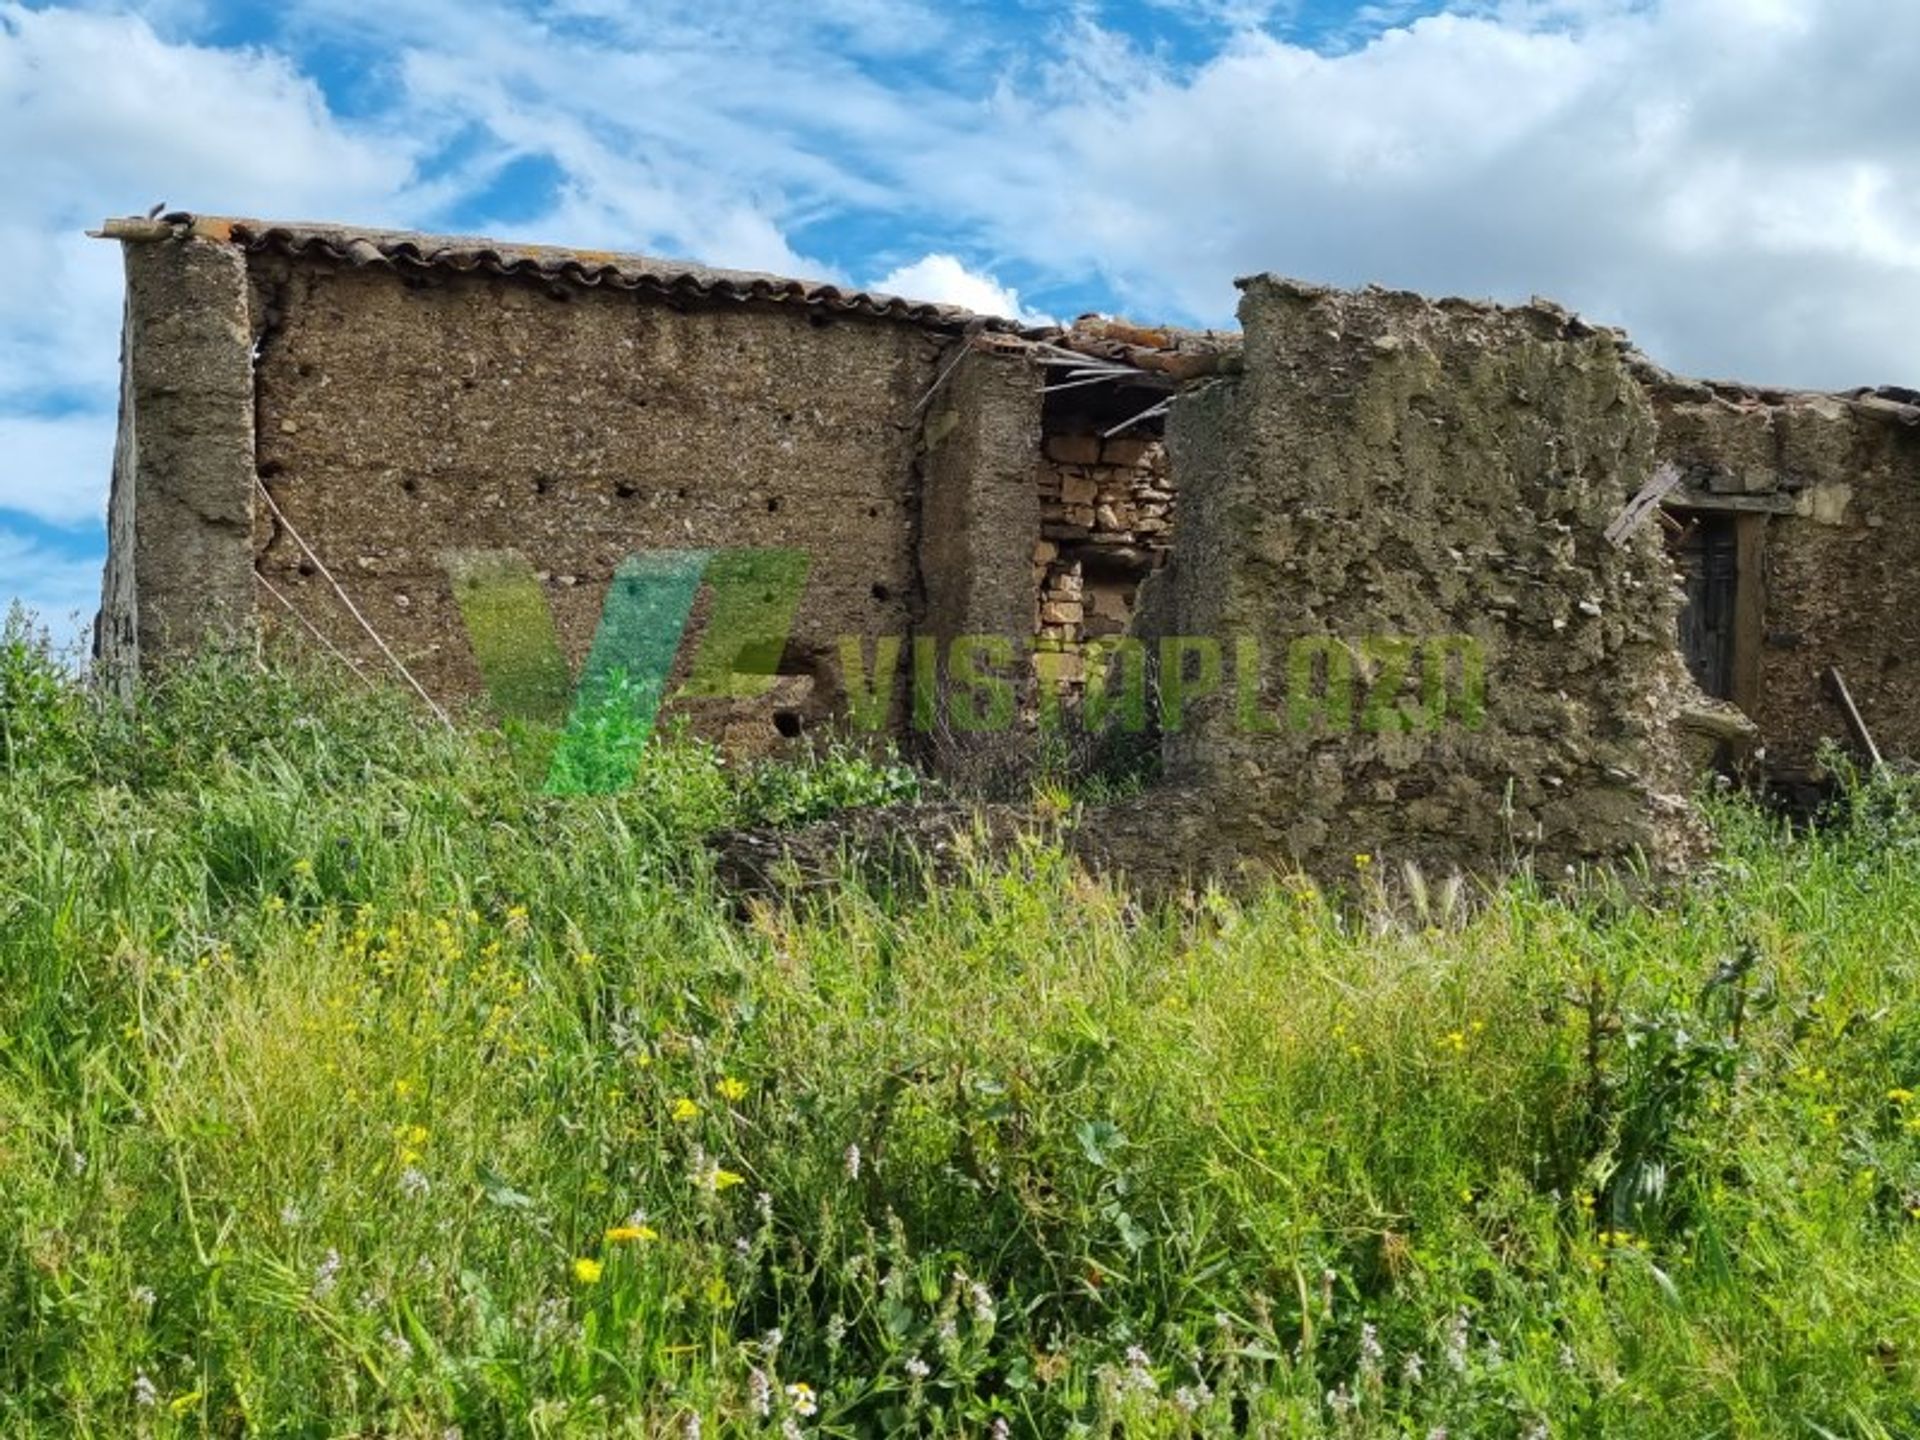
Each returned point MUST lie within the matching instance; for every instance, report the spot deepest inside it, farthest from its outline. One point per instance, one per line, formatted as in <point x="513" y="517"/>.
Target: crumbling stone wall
<point x="1106" y="523"/>
<point x="399" y="422"/>
<point x="1387" y="622"/>
<point x="181" y="508"/>
<point x="1419" y="482"/>
<point x="1832" y="484"/>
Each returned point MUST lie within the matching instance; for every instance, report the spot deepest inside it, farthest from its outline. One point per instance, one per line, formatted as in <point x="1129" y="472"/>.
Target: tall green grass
<point x="351" y="1083"/>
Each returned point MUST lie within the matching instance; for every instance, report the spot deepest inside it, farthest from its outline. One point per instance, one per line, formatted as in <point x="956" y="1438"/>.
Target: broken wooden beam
<point x="1837" y="687"/>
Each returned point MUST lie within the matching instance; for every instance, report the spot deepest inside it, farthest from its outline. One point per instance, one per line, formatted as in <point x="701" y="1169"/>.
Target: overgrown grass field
<point x="351" y="1083"/>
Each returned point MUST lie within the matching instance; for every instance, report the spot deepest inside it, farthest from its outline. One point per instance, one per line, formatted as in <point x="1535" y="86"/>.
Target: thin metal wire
<point x="315" y="631"/>
<point x="352" y="609"/>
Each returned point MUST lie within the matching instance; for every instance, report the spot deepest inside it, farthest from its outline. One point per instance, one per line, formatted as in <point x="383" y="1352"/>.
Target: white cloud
<point x="100" y="116"/>
<point x="57" y="468"/>
<point x="61" y="590"/>
<point x="946" y="280"/>
<point x="1736" y="183"/>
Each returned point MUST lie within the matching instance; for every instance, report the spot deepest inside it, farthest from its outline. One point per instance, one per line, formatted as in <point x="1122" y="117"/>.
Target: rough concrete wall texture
<point x="116" y="642"/>
<point x="181" y="509"/>
<point x="1840" y="587"/>
<point x="980" y="508"/>
<point x="1390" y="471"/>
<point x="482" y="413"/>
<point x="979" y="515"/>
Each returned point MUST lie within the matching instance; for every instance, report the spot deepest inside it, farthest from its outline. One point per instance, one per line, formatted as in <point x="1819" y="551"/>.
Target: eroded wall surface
<point x="1411" y="479"/>
<point x="1106" y="524"/>
<point x="399" y="422"/>
<point x="180" y="512"/>
<point x="1834" y="482"/>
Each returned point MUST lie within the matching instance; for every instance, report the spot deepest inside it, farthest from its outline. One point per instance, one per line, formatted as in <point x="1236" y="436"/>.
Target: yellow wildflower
<point x="586" y="1271"/>
<point x="1362" y="860"/>
<point x="1900" y="1096"/>
<point x="631" y="1234"/>
<point x="685" y="1110"/>
<point x="718" y="1180"/>
<point x="732" y="1090"/>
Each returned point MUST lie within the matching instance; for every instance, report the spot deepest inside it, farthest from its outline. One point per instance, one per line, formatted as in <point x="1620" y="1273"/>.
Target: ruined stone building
<point x="326" y="430"/>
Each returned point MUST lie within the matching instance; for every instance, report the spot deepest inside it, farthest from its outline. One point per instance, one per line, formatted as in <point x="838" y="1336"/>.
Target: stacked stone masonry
<point x="1359" y="467"/>
<point x="1106" y="523"/>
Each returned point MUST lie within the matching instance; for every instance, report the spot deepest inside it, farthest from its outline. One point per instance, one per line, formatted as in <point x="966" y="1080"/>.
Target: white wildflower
<point x="801" y="1398"/>
<point x="853" y="1162"/>
<point x="917" y="1368"/>
<point x="144" y="1393"/>
<point x="414" y="1183"/>
<point x="759" y="1392"/>
<point x="144" y="1297"/>
<point x="690" y="1428"/>
<point x="1340" y="1402"/>
<point x="1458" y="1334"/>
<point x="836" y="1330"/>
<point x="398" y="1344"/>
<point x="981" y="1299"/>
<point x="1371" y="1355"/>
<point x="1411" y="1369"/>
<point x="326" y="1275"/>
<point x="1188" y="1399"/>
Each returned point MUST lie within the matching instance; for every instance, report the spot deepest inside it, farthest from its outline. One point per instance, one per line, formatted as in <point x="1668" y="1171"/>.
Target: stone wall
<point x="1386" y="620"/>
<point x="1392" y="487"/>
<point x="1831" y="486"/>
<point x="401" y="422"/>
<point x="1106" y="523"/>
<point x="179" y="570"/>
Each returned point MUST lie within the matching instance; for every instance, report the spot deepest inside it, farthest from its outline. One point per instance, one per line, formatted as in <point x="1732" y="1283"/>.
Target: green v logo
<point x="610" y="714"/>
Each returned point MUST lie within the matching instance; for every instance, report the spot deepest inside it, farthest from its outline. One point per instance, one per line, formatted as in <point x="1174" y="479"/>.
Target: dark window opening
<point x="1708" y="553"/>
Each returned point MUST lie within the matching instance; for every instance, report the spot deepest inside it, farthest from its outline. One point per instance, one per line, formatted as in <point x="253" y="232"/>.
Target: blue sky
<point x="1736" y="181"/>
